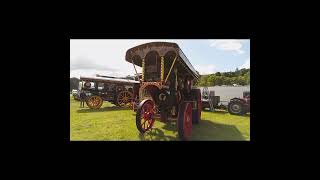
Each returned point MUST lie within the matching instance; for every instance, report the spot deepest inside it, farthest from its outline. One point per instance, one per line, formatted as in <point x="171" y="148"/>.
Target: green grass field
<point x="111" y="123"/>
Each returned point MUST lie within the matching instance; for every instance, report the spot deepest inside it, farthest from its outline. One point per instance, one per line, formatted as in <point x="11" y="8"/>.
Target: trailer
<point x="234" y="105"/>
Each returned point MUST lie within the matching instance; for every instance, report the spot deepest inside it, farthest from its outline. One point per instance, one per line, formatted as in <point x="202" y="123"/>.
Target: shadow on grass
<point x="208" y="131"/>
<point x="170" y="126"/>
<point x="156" y="134"/>
<point x="114" y="108"/>
<point x="220" y="111"/>
<point x="204" y="131"/>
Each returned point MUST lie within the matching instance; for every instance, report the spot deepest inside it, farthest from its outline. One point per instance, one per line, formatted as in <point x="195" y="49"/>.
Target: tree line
<point x="239" y="77"/>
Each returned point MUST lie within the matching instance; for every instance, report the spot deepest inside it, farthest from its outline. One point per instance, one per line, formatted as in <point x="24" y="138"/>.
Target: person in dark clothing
<point x="82" y="99"/>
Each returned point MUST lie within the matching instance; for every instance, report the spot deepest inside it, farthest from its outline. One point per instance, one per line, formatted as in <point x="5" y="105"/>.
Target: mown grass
<point x="111" y="123"/>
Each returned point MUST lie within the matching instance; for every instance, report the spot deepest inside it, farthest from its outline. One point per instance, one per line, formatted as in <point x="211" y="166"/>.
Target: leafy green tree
<point x="241" y="77"/>
<point x="228" y="81"/>
<point x="243" y="71"/>
<point x="247" y="78"/>
<point x="226" y="74"/>
<point x="241" y="80"/>
<point x="203" y="80"/>
<point x="219" y="80"/>
<point x="211" y="80"/>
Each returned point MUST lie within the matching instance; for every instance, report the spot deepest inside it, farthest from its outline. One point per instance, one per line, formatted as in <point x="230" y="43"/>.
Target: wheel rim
<point x="187" y="122"/>
<point x="94" y="102"/>
<point x="236" y="108"/>
<point x="147" y="116"/>
<point x="125" y="98"/>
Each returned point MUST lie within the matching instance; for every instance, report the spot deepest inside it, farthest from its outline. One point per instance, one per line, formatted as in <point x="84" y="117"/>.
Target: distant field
<point x="111" y="123"/>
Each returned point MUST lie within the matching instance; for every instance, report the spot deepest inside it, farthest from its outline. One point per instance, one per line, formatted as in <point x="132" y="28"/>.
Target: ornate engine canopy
<point x="136" y="54"/>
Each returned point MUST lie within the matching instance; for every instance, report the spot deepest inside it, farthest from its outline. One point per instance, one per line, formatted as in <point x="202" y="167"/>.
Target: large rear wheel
<point x="185" y="121"/>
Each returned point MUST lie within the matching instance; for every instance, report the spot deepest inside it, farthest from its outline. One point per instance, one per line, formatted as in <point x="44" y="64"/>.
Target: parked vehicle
<point x="240" y="106"/>
<point x="209" y="100"/>
<point x="165" y="90"/>
<point x="118" y="91"/>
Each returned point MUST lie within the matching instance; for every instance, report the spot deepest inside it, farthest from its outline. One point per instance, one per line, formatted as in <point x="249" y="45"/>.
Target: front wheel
<point x="145" y="115"/>
<point x="185" y="121"/>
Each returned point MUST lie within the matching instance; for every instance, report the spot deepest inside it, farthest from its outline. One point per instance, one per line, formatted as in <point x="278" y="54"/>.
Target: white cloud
<point x="85" y="63"/>
<point x="205" y="69"/>
<point x="106" y="57"/>
<point x="246" y="64"/>
<point x="228" y="45"/>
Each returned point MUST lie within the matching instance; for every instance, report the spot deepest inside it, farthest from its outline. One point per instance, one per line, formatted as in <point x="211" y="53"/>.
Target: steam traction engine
<point x="120" y="92"/>
<point x="166" y="83"/>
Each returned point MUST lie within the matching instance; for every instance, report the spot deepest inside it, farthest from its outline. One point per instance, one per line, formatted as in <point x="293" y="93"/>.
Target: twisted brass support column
<point x="143" y="69"/>
<point x="162" y="68"/>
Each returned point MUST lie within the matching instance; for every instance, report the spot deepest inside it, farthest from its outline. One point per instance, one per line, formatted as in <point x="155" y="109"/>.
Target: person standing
<point x="82" y="99"/>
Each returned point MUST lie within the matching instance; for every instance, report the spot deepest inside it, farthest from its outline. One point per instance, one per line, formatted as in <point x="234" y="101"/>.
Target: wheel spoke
<point x="149" y="122"/>
<point x="144" y="123"/>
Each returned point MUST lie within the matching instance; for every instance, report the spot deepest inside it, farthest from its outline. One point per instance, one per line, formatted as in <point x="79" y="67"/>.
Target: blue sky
<point x="222" y="55"/>
<point x="90" y="57"/>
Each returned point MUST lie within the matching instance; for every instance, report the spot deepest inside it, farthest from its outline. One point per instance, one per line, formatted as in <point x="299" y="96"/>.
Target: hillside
<point x="240" y="77"/>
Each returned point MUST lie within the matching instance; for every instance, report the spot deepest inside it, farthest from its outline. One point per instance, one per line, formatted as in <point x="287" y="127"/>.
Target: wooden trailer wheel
<point x="125" y="99"/>
<point x="94" y="102"/>
<point x="145" y="115"/>
<point x="185" y="121"/>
